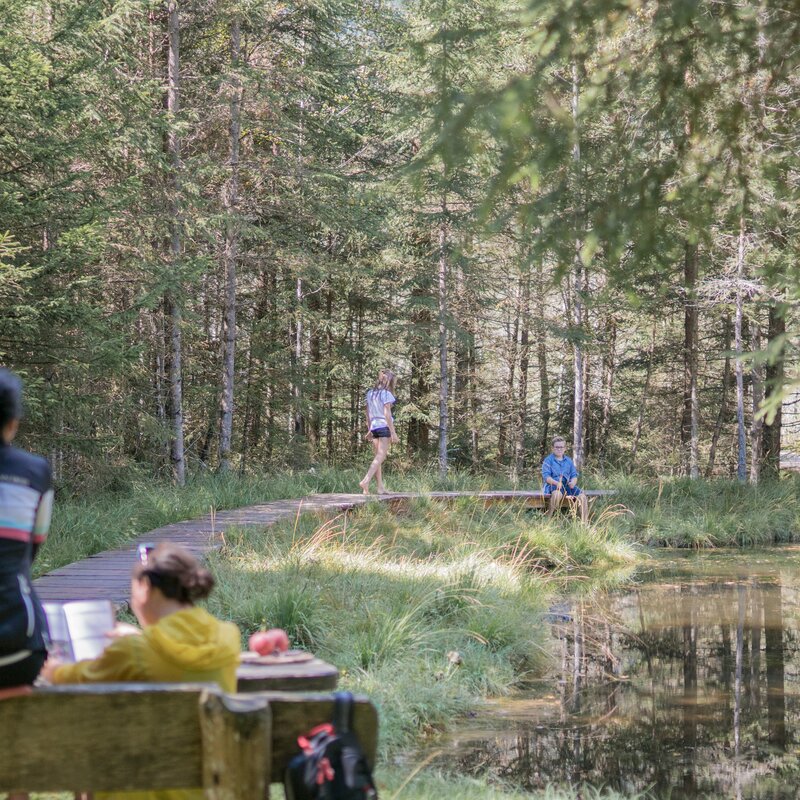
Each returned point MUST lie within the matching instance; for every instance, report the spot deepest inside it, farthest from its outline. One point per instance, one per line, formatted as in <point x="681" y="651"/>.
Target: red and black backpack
<point x="332" y="765"/>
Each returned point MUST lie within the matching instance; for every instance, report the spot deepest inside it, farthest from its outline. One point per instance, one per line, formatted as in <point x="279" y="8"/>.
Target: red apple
<point x="267" y="642"/>
<point x="260" y="643"/>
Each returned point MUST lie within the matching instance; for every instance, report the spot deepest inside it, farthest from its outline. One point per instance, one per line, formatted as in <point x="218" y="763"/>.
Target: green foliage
<point x="378" y="140"/>
<point x="425" y="611"/>
<point x="684" y="513"/>
<point x="431" y="784"/>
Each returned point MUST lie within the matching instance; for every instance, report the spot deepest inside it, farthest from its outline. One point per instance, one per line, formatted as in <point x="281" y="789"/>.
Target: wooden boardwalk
<point x="106" y="575"/>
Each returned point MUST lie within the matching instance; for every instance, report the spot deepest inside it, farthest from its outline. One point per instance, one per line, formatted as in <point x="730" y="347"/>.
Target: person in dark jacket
<point x="26" y="501"/>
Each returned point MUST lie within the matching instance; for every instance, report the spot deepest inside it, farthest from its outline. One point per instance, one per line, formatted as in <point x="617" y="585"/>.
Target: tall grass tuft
<point x="427" y="611"/>
<point x="421" y="783"/>
<point x="699" y="514"/>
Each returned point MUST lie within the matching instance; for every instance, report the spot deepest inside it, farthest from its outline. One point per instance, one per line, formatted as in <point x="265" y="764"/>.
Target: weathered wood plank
<point x="101" y="736"/>
<point x="307" y="676"/>
<point x="237" y="748"/>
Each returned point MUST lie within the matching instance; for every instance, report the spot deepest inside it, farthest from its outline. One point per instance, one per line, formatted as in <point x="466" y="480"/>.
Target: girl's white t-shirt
<point x="376" y="399"/>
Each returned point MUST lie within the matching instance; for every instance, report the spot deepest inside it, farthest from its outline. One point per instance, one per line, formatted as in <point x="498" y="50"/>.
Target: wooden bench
<point x="147" y="736"/>
<point x="529" y="499"/>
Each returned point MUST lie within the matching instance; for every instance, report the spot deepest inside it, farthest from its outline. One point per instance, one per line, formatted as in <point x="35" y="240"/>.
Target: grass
<point x="432" y="609"/>
<point x="395" y="784"/>
<point x="677" y="513"/>
<point x="718" y="513"/>
<point x="427" y="612"/>
<point x="85" y="524"/>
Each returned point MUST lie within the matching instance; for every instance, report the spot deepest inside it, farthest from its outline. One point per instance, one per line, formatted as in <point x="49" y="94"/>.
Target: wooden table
<point x="306" y="676"/>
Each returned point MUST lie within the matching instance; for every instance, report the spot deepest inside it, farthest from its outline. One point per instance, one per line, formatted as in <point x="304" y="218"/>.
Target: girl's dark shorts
<point x="24" y="672"/>
<point x="381" y="433"/>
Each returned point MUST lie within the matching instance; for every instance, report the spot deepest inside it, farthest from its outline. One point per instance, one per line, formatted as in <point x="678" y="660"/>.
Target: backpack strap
<point x="343" y="712"/>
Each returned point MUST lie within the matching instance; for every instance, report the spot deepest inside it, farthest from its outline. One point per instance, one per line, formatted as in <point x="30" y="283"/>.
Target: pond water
<point x="684" y="683"/>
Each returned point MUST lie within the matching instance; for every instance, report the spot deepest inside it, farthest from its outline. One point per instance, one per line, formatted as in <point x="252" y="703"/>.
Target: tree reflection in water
<point x="660" y="687"/>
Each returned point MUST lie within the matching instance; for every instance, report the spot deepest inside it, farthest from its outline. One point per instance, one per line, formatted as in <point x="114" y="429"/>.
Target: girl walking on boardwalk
<point x="380" y="427"/>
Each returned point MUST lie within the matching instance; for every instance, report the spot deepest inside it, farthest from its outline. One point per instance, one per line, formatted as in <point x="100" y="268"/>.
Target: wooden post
<point x="237" y="746"/>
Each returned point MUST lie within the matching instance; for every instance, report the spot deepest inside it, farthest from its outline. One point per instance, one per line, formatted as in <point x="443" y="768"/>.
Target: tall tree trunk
<point x="643" y="400"/>
<point x="459" y="395"/>
<point x="315" y="357"/>
<point x="541" y="355"/>
<point x="690" y="418"/>
<point x="329" y="441"/>
<point x="443" y="377"/>
<point x="247" y="417"/>
<point x="420" y="357"/>
<point x="508" y="400"/>
<point x="444" y="234"/>
<point x="358" y="419"/>
<point x="723" y="404"/>
<point x="474" y="402"/>
<point x="231" y="206"/>
<point x="771" y="437"/>
<point x="609" y="368"/>
<point x="272" y="407"/>
<point x="171" y="301"/>
<point x="757" y="384"/>
<point x="298" y="425"/>
<point x="522" y="395"/>
<point x="159" y="368"/>
<point x="577" y="302"/>
<point x="741" y="452"/>
<point x="355" y="398"/>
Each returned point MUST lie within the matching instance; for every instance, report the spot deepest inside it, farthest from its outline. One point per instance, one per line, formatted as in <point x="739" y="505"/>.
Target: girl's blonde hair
<point x="386" y="380"/>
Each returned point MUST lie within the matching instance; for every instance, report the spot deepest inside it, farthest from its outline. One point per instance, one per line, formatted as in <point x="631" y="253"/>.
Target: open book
<point x="78" y="629"/>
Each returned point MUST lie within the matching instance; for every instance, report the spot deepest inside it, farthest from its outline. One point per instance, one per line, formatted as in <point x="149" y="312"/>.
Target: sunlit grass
<point x="700" y="514"/>
<point x="428" y="610"/>
<point x="677" y="512"/>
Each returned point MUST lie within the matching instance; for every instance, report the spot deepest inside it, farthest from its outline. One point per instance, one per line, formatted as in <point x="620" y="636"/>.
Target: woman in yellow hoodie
<point x="178" y="642"/>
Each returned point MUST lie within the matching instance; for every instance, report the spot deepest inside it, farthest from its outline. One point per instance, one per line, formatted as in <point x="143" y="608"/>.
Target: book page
<point x="88" y="622"/>
<point x="60" y="645"/>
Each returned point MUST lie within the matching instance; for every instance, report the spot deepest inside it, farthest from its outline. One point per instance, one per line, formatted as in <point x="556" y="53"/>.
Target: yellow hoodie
<point x="187" y="646"/>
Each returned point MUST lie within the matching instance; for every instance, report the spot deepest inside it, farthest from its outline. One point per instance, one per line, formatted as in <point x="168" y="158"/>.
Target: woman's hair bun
<point x="199" y="583"/>
<point x="176" y="573"/>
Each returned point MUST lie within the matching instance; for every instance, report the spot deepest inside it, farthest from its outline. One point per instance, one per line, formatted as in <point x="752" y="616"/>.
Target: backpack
<point x="332" y="765"/>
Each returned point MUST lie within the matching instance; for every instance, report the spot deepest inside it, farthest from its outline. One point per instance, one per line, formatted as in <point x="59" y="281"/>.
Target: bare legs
<point x="381" y="448"/>
<point x="556" y="497"/>
<point x="581" y="501"/>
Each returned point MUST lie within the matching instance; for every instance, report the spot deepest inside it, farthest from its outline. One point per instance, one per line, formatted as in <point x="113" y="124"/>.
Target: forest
<point x="218" y="220"/>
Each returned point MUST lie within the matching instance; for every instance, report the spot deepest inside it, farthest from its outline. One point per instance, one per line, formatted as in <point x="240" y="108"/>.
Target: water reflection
<point x="686" y="685"/>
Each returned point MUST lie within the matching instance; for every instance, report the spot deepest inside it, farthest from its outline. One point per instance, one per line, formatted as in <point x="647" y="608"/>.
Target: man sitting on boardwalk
<point x="561" y="480"/>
